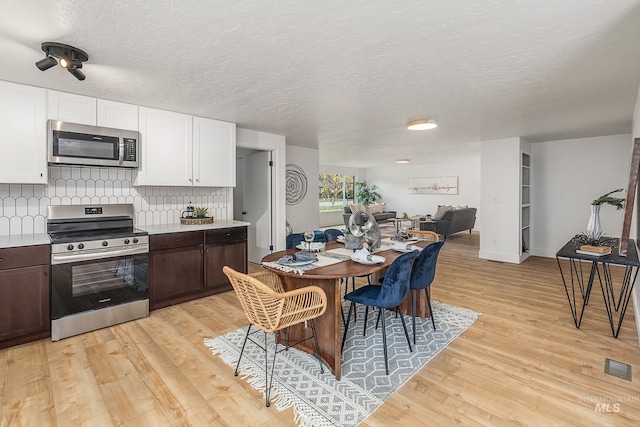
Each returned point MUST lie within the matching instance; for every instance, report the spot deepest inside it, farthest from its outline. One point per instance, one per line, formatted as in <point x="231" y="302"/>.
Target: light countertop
<point x="176" y="228"/>
<point x="24" y="240"/>
<point x="43" y="238"/>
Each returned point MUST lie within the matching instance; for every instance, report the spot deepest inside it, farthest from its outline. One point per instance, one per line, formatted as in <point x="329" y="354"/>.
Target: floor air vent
<point x="617" y="369"/>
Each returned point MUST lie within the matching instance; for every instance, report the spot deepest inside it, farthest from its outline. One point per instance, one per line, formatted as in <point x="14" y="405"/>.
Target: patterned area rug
<point x="318" y="399"/>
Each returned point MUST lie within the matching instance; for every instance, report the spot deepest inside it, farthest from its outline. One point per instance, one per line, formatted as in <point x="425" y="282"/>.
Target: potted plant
<point x="200" y="212"/>
<point x="367" y="195"/>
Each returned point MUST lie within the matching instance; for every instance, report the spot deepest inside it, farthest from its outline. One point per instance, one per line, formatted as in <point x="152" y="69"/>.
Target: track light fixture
<point x="70" y="58"/>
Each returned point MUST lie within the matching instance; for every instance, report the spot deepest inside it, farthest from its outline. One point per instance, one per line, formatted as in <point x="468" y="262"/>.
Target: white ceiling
<point x="345" y="77"/>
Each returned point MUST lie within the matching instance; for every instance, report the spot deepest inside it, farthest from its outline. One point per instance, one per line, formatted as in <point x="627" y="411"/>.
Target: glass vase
<point x="594" y="230"/>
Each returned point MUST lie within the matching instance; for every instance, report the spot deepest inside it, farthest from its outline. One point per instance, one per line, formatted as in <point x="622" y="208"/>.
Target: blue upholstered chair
<point x="424" y="270"/>
<point x="331" y="234"/>
<point x="393" y="291"/>
<point x="294" y="240"/>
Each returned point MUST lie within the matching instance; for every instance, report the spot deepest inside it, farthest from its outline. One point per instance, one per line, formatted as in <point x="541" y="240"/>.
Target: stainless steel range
<point x="99" y="268"/>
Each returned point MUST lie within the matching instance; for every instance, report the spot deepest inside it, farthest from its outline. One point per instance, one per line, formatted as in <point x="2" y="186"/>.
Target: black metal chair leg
<point x="366" y="314"/>
<point x="346" y="327"/>
<point x="406" y="333"/>
<point x="268" y="379"/>
<point x="353" y="288"/>
<point x="384" y="343"/>
<point x="315" y="339"/>
<point x="413" y="316"/>
<point x="378" y="320"/>
<point x="433" y="320"/>
<point x="246" y="337"/>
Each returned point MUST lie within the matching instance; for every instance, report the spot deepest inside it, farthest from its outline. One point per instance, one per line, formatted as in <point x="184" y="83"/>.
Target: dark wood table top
<point x="341" y="269"/>
<point x="631" y="259"/>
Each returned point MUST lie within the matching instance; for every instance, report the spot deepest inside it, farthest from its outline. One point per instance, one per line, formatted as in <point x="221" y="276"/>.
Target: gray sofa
<point x="454" y="221"/>
<point x="380" y="217"/>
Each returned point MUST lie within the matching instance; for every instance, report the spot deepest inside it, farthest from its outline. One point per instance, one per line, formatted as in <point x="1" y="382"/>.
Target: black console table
<point x="616" y="297"/>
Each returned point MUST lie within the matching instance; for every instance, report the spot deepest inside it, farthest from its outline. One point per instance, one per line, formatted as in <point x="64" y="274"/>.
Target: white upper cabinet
<point x="181" y="150"/>
<point x="111" y="114"/>
<point x="214" y="153"/>
<point x="68" y="107"/>
<point x="166" y="148"/>
<point x="24" y="134"/>
<point x="85" y="110"/>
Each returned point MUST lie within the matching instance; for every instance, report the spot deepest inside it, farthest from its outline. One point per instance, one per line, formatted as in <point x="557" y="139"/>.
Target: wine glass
<point x="308" y="237"/>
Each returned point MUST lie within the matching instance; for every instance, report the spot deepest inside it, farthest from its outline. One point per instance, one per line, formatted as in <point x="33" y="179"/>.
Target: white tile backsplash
<point x="23" y="207"/>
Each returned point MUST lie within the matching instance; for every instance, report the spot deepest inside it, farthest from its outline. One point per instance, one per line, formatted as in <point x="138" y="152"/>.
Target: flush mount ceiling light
<point x="423" y="124"/>
<point x="402" y="161"/>
<point x="70" y="58"/>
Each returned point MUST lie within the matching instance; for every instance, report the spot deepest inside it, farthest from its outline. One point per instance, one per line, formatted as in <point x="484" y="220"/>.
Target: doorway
<point x="253" y="200"/>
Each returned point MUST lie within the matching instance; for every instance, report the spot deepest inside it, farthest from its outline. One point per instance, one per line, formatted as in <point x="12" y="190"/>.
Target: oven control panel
<point x="97" y="249"/>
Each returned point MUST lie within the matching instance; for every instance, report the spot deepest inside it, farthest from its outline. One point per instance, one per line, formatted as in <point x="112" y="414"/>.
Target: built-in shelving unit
<point x="525" y="205"/>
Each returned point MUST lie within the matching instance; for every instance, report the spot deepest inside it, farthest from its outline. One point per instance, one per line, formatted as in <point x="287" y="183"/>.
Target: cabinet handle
<point x="1" y="259"/>
<point x="197" y="180"/>
<point x="190" y="180"/>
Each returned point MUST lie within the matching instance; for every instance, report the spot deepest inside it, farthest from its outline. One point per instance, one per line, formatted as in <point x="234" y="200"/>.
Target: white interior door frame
<point x="251" y="139"/>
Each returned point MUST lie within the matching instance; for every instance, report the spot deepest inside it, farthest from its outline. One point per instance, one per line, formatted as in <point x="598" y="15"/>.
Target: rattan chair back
<point x="271" y="309"/>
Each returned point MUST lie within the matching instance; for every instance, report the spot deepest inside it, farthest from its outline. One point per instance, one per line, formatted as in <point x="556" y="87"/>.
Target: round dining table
<point x="328" y="279"/>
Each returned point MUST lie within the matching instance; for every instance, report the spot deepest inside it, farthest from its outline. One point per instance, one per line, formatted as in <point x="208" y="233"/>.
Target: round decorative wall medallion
<point x="296" y="184"/>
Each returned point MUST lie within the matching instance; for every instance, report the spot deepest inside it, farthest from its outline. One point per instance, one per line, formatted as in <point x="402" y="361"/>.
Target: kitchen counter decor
<point x="199" y="217"/>
<point x="196" y="221"/>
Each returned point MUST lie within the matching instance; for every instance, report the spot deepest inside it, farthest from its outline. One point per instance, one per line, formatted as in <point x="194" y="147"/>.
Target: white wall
<point x="500" y="202"/>
<point x="306" y="214"/>
<point x="567" y="176"/>
<point x="393" y="182"/>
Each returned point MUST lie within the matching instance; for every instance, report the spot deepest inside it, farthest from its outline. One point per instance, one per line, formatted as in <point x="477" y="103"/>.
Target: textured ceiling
<point x="346" y="76"/>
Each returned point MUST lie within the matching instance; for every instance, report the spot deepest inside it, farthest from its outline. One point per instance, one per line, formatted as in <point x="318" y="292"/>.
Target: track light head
<point x="46" y="63"/>
<point x="77" y="73"/>
<point x="70" y="57"/>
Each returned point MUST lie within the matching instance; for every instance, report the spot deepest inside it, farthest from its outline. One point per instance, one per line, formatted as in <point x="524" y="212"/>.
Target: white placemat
<point x="322" y="261"/>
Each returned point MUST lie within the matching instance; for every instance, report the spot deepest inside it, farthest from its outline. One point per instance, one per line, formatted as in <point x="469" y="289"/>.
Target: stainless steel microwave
<point x="75" y="144"/>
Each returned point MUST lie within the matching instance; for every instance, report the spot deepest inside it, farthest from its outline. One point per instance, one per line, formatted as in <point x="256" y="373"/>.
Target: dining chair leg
<point x="246" y="337"/>
<point x="413" y="316"/>
<point x="366" y="314"/>
<point x="384" y="343"/>
<point x="315" y="340"/>
<point x="378" y="320"/>
<point x="353" y="288"/>
<point x="346" y="326"/>
<point x="406" y="333"/>
<point x="268" y="379"/>
<point x="433" y="320"/>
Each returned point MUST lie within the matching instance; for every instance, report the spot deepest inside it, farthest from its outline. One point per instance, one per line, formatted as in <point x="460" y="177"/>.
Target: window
<point x="336" y="191"/>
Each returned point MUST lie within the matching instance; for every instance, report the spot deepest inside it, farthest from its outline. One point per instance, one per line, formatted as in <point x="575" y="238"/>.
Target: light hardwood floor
<point x="522" y="363"/>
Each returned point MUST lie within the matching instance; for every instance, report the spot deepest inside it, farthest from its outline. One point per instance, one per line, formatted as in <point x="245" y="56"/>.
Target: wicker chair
<point x="431" y="236"/>
<point x="271" y="310"/>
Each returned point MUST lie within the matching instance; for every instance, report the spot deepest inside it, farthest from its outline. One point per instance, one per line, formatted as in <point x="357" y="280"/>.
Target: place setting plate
<point x="372" y="259"/>
<point x="297" y="263"/>
<point x="315" y="246"/>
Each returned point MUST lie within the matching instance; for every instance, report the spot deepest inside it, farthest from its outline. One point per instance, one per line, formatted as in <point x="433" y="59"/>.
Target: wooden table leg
<point x="327" y="325"/>
<point x="422" y="307"/>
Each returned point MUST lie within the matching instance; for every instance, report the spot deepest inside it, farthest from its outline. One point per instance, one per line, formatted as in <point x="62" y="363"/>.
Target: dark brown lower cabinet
<point x="225" y="246"/>
<point x="188" y="265"/>
<point x="24" y="295"/>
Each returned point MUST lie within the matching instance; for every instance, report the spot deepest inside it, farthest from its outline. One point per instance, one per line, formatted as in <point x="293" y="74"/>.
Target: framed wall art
<point x="434" y="185"/>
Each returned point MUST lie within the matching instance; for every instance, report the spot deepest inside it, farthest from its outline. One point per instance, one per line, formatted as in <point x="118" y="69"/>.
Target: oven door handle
<point x="66" y="258"/>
